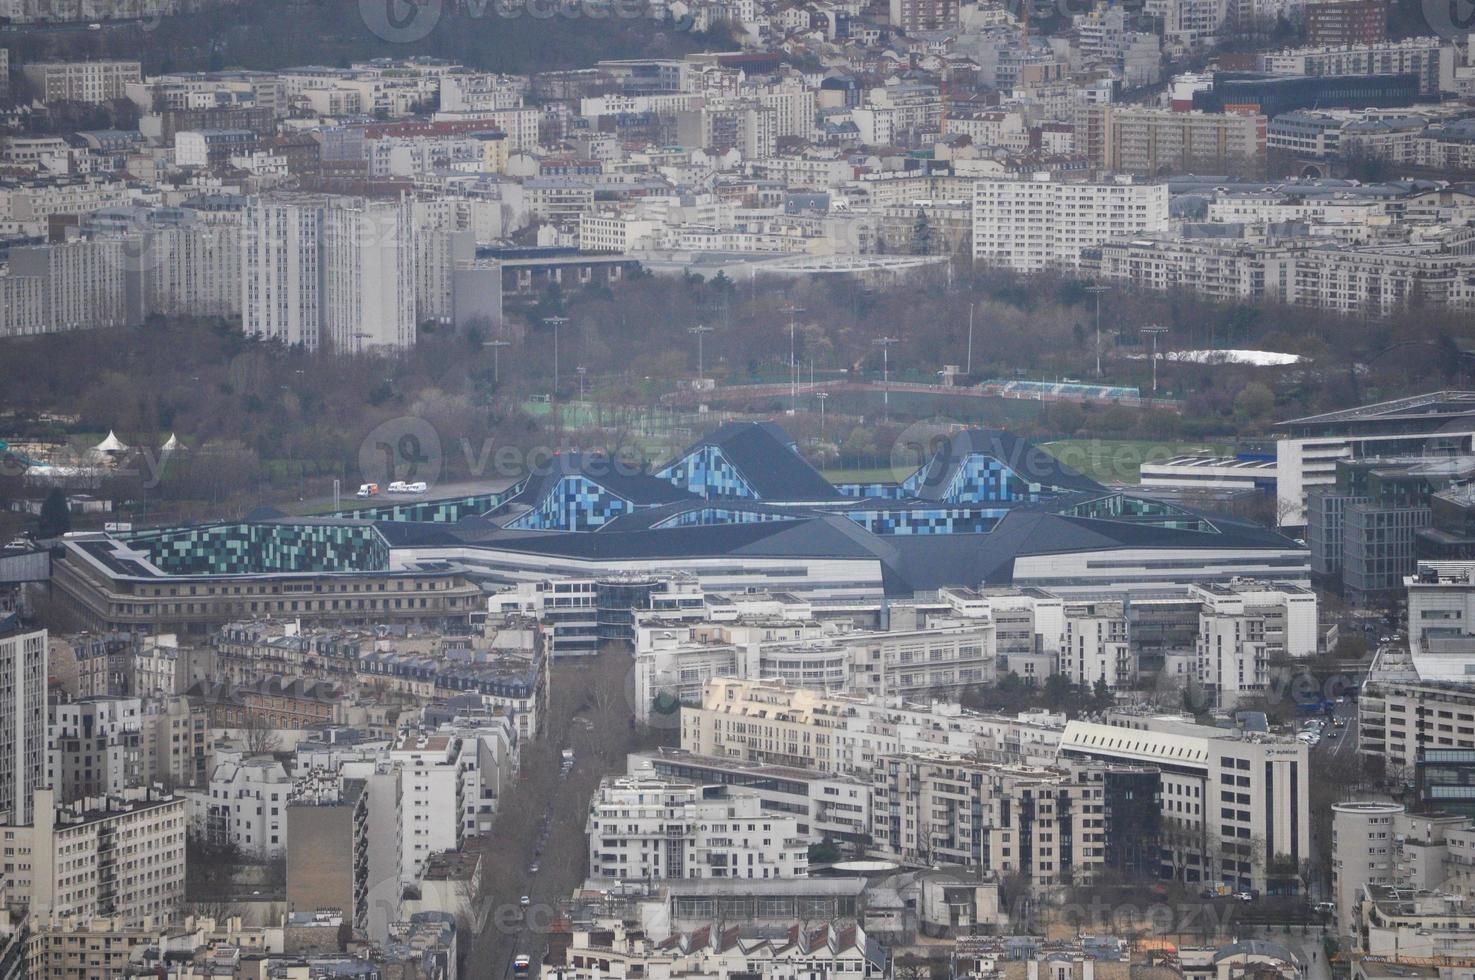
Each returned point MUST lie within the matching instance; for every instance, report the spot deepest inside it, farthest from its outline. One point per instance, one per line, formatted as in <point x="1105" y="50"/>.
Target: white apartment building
<point x="675" y="659"/>
<point x="487" y="760"/>
<point x="1231" y="271"/>
<point x="465" y="91"/>
<point x="826" y="806"/>
<point x="615" y="232"/>
<point x="605" y="950"/>
<point x="644" y="828"/>
<point x="1411" y="56"/>
<point x="81" y="284"/>
<point x="411" y="156"/>
<point x="1144" y="140"/>
<point x="1232" y="654"/>
<point x="176" y="742"/>
<point x="596" y="107"/>
<point x="763" y="722"/>
<point x="1377" y="280"/>
<point x="281" y="276"/>
<point x="1363" y="853"/>
<point x="23" y="721"/>
<point x="433" y="815"/>
<point x="1234" y="805"/>
<point x="328" y="271"/>
<point x="363" y="89"/>
<point x="1261" y="208"/>
<point x="22" y="306"/>
<point x="906" y="111"/>
<point x="1096" y="650"/>
<point x="1046" y="823"/>
<point x="1037" y="224"/>
<point x="368" y="265"/>
<point x="43" y="154"/>
<point x="911" y="16"/>
<point x="520" y="124"/>
<point x="1401" y="715"/>
<point x="195" y="269"/>
<point x="745" y="125"/>
<point x="94" y="747"/>
<point x="1289" y="611"/>
<point x="81" y="81"/>
<point x="31" y="202"/>
<point x="119" y="856"/>
<point x="793" y="106"/>
<point x="246" y="806"/>
<point x="1189" y="24"/>
<point x="1441" y="620"/>
<point x="803" y="172"/>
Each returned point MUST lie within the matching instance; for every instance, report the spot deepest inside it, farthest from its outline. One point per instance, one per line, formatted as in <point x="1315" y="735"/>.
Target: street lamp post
<point x="1097" y="289"/>
<point x="885" y="344"/>
<point x="701" y="330"/>
<point x="968" y="367"/>
<point x="793" y="311"/>
<point x="821" y="395"/>
<point x="555" y="322"/>
<point x="496" y="346"/>
<point x="581" y="370"/>
<point x="1154" y="331"/>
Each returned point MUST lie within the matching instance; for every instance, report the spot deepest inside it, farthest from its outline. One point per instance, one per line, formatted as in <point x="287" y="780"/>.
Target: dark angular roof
<point x="820" y="537"/>
<point x="615" y="475"/>
<point x="933" y="561"/>
<point x="768" y="460"/>
<point x="1024" y="457"/>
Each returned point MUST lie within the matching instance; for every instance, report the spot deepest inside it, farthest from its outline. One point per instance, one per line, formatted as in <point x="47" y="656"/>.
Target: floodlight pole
<point x="885" y="344"/>
<point x="1097" y="288"/>
<point x="1154" y="331"/>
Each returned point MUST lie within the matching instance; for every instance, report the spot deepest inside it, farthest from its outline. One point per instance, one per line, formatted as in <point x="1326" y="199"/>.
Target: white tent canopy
<point x="112" y="444"/>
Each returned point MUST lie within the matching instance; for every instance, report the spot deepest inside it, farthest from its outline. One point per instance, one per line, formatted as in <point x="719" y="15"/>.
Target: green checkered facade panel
<point x="243" y="549"/>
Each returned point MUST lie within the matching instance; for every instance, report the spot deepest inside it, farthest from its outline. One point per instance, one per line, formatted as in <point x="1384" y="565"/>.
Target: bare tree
<point x="259" y="735"/>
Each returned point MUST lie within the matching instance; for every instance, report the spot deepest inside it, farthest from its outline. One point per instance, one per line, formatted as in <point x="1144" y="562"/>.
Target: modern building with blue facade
<point x="741" y="510"/>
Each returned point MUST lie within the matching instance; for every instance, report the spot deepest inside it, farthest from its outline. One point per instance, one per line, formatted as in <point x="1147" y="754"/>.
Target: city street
<point x="1338" y="742"/>
<point x="542" y="819"/>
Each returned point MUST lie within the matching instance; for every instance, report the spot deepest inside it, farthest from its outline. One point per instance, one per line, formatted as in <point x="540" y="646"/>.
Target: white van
<point x="399" y="486"/>
<point x="417" y="487"/>
<point x="368" y="490"/>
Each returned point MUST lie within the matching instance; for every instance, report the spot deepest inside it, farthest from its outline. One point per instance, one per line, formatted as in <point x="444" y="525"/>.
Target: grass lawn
<point x="1120" y="460"/>
<point x="877" y="474"/>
